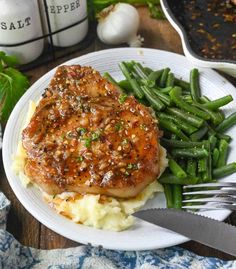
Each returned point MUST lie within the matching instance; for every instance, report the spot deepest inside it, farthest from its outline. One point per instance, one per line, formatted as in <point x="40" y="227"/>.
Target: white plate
<point x="141" y="236"/>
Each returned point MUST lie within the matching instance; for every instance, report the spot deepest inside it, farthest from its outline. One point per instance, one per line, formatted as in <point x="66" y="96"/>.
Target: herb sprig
<point x="153" y="5"/>
<point x="13" y="84"/>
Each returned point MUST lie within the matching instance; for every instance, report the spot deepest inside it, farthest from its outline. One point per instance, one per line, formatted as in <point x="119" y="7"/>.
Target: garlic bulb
<point x="119" y="24"/>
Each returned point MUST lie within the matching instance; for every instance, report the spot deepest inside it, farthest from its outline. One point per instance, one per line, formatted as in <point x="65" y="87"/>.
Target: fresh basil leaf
<point x="7" y="60"/>
<point x="13" y="85"/>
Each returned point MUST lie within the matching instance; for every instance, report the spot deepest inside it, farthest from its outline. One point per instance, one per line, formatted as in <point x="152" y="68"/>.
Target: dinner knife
<point x="207" y="231"/>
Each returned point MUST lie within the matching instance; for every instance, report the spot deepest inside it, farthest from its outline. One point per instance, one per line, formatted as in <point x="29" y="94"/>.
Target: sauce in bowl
<point x="210" y="27"/>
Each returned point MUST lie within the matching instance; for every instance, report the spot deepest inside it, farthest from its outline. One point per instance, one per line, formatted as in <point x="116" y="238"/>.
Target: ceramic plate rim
<point x="39" y="214"/>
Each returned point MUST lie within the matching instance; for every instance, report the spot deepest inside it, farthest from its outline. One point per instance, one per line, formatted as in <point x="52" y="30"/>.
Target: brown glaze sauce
<point x="210" y="27"/>
<point x="86" y="136"/>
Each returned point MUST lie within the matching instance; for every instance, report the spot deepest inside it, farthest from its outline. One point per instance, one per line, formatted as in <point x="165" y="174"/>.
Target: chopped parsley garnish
<point x="80" y="158"/>
<point x="118" y="126"/>
<point x="122" y="98"/>
<point x="127" y="173"/>
<point x="81" y="130"/>
<point x="143" y="127"/>
<point x="125" y="141"/>
<point x="70" y="135"/>
<point x="54" y="196"/>
<point x="132" y="166"/>
<point x="88" y="142"/>
<point x="95" y="136"/>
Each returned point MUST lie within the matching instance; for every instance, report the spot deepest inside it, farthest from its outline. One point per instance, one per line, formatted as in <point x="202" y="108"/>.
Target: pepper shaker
<point x="63" y="13"/>
<point x="19" y="22"/>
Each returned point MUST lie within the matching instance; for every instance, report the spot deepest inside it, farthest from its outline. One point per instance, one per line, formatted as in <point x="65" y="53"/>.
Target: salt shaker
<point x="19" y="22"/>
<point x="63" y="13"/>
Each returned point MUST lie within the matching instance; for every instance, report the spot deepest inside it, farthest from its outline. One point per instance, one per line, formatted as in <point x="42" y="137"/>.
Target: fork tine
<point x="220" y="197"/>
<point x="206" y="185"/>
<point x="228" y="199"/>
<point x="212" y="192"/>
<point x="211" y="206"/>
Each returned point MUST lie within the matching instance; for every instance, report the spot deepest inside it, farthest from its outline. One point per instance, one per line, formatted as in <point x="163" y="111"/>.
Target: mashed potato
<point x="98" y="211"/>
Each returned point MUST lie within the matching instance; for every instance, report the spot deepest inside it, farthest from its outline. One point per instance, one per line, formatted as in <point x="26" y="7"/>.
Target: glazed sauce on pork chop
<point x="87" y="137"/>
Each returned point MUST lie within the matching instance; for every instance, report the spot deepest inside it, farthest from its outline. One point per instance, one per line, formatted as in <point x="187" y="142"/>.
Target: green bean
<point x="170" y="80"/>
<point x="190" y="118"/>
<point x="189" y="129"/>
<point x="186" y="93"/>
<point x="215" y="156"/>
<point x="165" y="90"/>
<point x="170" y="126"/>
<point x="167" y="133"/>
<point x="221" y="114"/>
<point x="164" y="76"/>
<point x="129" y="66"/>
<point x="221" y="117"/>
<point x="176" y="169"/>
<point x="192" y="167"/>
<point x="148" y="70"/>
<point x="136" y="77"/>
<point x="190" y="152"/>
<point x="140" y="74"/>
<point x="155" y="75"/>
<point x="177" y="196"/>
<point x="187" y="98"/>
<point x="139" y="70"/>
<point x="214" y="116"/>
<point x="148" y="83"/>
<point x="168" y="190"/>
<point x="141" y="67"/>
<point x="171" y="179"/>
<point x="212" y="140"/>
<point x="211" y="130"/>
<point x="175" y="95"/>
<point x="215" y="104"/>
<point x="107" y="76"/>
<point x="163" y="97"/>
<point x="182" y="163"/>
<point x="180" y="144"/>
<point x="154" y="101"/>
<point x="227" y="123"/>
<point x="186" y="127"/>
<point x="223" y="171"/>
<point x="204" y="99"/>
<point x="202" y="165"/>
<point x="136" y="88"/>
<point x="207" y="175"/>
<point x="183" y="84"/>
<point x="224" y="136"/>
<point x="143" y="101"/>
<point x="194" y="84"/>
<point x="223" y="153"/>
<point x="124" y="84"/>
<point x="198" y="135"/>
<point x="174" y="137"/>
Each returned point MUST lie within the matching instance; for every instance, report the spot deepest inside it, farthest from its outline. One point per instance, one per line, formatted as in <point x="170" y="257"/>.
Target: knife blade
<point x="207" y="231"/>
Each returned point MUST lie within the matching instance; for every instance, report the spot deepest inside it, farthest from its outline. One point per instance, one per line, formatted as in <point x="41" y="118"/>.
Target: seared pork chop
<point x="87" y="137"/>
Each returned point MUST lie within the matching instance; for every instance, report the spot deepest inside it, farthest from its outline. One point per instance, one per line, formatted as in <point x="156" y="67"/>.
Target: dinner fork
<point x="219" y="195"/>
